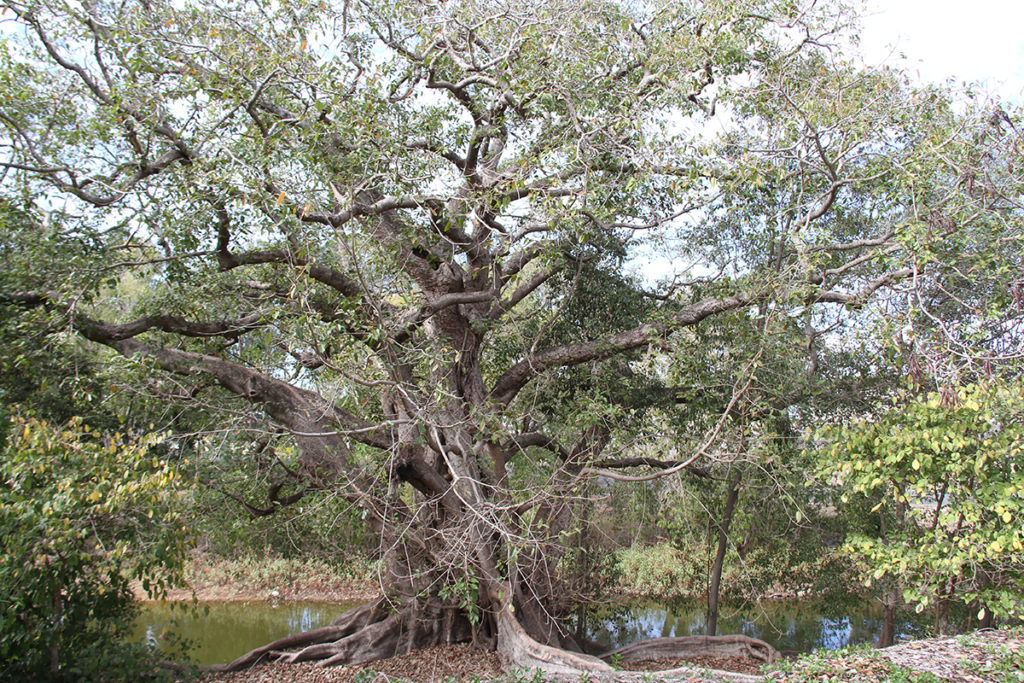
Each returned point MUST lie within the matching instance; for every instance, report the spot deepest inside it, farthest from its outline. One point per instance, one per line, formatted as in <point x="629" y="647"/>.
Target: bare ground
<point x="436" y="665"/>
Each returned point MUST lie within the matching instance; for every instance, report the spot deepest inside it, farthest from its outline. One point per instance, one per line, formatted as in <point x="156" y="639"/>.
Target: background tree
<point x="346" y="217"/>
<point x="81" y="515"/>
<point x="943" y="470"/>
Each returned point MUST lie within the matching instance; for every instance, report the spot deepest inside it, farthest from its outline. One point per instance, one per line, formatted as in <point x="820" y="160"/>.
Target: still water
<point x="788" y="625"/>
<point x="222" y="631"/>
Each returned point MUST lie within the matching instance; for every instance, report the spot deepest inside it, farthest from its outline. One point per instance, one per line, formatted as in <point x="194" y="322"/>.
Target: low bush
<point x="661" y="571"/>
<point x="266" y="572"/>
<point x="81" y="514"/>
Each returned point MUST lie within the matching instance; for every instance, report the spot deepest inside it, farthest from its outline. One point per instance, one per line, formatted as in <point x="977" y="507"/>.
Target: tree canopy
<point x="456" y="252"/>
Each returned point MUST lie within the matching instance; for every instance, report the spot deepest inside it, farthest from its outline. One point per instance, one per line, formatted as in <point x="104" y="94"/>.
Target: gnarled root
<point x="373" y="632"/>
<point x="345" y="625"/>
<point x="518" y="650"/>
<point x="361" y="635"/>
<point x="695" y="646"/>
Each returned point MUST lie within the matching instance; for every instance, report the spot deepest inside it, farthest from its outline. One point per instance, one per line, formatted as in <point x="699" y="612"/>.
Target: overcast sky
<point x="972" y="40"/>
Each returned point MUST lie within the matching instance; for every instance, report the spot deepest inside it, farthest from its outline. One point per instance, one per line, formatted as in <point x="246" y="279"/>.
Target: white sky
<point x="967" y="40"/>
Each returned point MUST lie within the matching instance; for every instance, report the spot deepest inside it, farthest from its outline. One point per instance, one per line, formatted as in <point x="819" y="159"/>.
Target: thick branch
<point x="167" y="323"/>
<point x="319" y="272"/>
<point x="24" y="299"/>
<point x="859" y="297"/>
<point x="316" y="424"/>
<point x="653" y="463"/>
<point x="516" y="377"/>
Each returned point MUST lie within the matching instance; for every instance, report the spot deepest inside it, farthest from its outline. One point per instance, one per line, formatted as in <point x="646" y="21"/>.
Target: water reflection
<point x="222" y="631"/>
<point x="789" y="625"/>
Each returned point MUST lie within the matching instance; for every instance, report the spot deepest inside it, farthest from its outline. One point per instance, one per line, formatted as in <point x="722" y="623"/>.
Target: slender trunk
<point x="987" y="621"/>
<point x="58" y="615"/>
<point x="888" y="635"/>
<point x="723" y="540"/>
<point x="890" y="603"/>
<point x="942" y="606"/>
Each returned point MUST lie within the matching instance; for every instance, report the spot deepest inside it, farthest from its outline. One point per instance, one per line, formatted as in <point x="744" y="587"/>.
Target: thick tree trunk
<point x="723" y="540"/>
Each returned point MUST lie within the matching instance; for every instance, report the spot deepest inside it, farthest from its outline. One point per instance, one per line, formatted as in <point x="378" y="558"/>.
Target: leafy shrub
<point x="265" y="572"/>
<point x="660" y="570"/>
<point x="942" y="474"/>
<point x="80" y="515"/>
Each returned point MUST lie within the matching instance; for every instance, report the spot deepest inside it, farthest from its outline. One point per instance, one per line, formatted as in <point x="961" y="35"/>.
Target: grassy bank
<point x="261" y="577"/>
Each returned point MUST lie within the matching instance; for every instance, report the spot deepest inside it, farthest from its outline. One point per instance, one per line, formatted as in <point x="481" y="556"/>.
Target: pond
<point x="792" y="625"/>
<point x="222" y="631"/>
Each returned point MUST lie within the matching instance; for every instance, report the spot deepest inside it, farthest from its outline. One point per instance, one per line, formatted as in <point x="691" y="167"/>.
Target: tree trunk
<point x="723" y="541"/>
<point x="942" y="606"/>
<point x="988" y="620"/>
<point x="58" y="615"/>
<point x="890" y="604"/>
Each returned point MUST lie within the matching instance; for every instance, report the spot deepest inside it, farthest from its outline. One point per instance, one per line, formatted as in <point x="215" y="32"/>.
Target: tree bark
<point x="890" y="603"/>
<point x="723" y="539"/>
<point x="695" y="646"/>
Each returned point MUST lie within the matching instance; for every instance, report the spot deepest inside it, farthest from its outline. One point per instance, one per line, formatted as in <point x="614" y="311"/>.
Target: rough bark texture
<point x="694" y="646"/>
<point x="519" y="651"/>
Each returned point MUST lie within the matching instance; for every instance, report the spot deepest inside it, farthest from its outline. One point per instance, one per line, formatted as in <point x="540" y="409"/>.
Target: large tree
<point x="401" y="231"/>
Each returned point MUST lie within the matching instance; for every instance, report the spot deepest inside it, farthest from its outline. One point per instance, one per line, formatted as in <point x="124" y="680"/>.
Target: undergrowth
<point x="264" y="573"/>
<point x="854" y="663"/>
<point x="660" y="571"/>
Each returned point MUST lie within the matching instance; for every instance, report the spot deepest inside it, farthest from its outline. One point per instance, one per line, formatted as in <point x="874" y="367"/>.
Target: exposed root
<point x="373" y="632"/>
<point x="365" y="634"/>
<point x="344" y="625"/>
<point x="518" y="650"/>
<point x="695" y="646"/>
<point x="376" y="641"/>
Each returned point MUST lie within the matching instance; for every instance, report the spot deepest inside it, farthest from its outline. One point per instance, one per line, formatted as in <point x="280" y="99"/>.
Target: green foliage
<point x="661" y="570"/>
<point x="321" y="527"/>
<point x="943" y="474"/>
<point x="465" y="593"/>
<point x="368" y="223"/>
<point x="984" y="655"/>
<point x="80" y="515"/>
